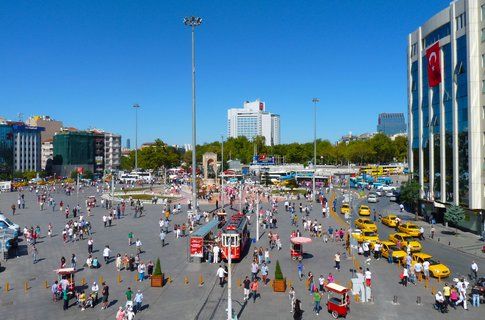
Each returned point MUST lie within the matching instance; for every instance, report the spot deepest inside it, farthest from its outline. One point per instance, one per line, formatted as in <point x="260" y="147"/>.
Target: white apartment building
<point x="112" y="151"/>
<point x="253" y="120"/>
<point x="446" y="111"/>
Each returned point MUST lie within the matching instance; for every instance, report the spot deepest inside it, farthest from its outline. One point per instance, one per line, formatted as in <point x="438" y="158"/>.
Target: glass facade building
<point x="6" y="150"/>
<point x="446" y="122"/>
<point x="391" y="123"/>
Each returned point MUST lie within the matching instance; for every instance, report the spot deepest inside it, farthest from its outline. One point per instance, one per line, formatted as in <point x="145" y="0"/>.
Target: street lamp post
<point x="222" y="172"/>
<point x="257" y="214"/>
<point x="136" y="106"/>
<point x="193" y="22"/>
<point x="314" y="100"/>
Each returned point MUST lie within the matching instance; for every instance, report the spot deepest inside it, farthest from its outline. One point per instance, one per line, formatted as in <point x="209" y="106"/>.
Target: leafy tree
<point x="410" y="193"/>
<point x="454" y="215"/>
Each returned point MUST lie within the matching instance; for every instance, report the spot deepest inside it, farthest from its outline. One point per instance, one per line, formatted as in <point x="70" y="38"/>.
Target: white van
<point x="6" y="223"/>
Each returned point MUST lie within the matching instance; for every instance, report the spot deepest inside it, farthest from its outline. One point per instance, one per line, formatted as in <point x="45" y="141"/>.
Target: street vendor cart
<point x="296" y="250"/>
<point x="338" y="300"/>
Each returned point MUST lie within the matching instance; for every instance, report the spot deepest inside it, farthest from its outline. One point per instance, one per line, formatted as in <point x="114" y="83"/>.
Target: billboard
<point x="263" y="159"/>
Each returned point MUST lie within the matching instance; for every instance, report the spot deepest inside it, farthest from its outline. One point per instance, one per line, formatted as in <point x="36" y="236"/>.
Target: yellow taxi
<point x="364" y="210"/>
<point x="365" y="235"/>
<point x="390" y="220"/>
<point x="365" y="224"/>
<point x="436" y="269"/>
<point x="409" y="228"/>
<point x="345" y="208"/>
<point x="405" y="239"/>
<point x="397" y="254"/>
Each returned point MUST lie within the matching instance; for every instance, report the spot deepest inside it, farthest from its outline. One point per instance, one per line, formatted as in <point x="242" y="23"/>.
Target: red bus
<point x="235" y="232"/>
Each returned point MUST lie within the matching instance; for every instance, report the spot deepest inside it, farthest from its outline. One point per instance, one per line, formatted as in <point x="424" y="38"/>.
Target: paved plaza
<point x="184" y="297"/>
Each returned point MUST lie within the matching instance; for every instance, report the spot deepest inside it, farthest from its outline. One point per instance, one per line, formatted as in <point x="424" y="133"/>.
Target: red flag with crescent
<point x="434" y="64"/>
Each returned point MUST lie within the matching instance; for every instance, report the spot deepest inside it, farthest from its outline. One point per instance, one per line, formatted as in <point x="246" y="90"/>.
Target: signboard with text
<point x="196" y="247"/>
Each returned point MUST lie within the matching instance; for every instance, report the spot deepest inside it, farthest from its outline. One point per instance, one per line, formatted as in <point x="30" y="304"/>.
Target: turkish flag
<point x="434" y="65"/>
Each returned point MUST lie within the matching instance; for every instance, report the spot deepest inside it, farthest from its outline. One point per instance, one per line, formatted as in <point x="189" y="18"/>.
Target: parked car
<point x="372" y="198"/>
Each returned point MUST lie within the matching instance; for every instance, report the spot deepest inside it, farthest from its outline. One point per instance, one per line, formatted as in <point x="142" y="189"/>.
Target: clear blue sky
<point x="87" y="62"/>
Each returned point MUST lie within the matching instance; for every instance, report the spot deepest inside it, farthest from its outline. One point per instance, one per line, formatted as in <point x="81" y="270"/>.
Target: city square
<point x="185" y="160"/>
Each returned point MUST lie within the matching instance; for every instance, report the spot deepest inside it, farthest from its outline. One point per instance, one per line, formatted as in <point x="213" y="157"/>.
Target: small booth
<point x="202" y="239"/>
<point x="338" y="300"/>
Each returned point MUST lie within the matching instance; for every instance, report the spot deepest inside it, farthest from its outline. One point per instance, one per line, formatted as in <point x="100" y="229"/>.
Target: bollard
<point x="83" y="281"/>
<point x="449" y="243"/>
<point x="7" y="286"/>
<point x="426" y="283"/>
<point x="438" y="239"/>
<point x="418" y="300"/>
<point x="186" y="280"/>
<point x="169" y="279"/>
<point x="238" y="282"/>
<point x="433" y="290"/>
<point x="394" y="300"/>
<point x="201" y="280"/>
<point x="26" y="286"/>
<point x="46" y="284"/>
<point x="118" y="279"/>
<point x="100" y="280"/>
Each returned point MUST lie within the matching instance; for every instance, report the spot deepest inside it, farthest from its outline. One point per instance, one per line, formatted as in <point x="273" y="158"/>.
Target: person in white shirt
<point x="474" y="268"/>
<point x="368" y="277"/>
<point x="138" y="245"/>
<point x="221" y="273"/>
<point x="106" y="253"/>
<point x="426" y="269"/>
<point x="215" y="251"/>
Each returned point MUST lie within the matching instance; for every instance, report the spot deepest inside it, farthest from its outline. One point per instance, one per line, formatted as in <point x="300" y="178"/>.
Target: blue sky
<point x="87" y="62"/>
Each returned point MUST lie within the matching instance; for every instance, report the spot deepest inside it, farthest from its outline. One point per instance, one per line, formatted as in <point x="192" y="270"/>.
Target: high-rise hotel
<point x="446" y="105"/>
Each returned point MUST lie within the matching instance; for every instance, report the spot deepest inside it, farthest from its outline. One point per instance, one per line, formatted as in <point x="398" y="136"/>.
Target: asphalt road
<point x="457" y="261"/>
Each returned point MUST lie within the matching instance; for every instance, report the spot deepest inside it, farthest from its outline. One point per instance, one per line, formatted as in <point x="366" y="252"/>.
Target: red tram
<point x="236" y="233"/>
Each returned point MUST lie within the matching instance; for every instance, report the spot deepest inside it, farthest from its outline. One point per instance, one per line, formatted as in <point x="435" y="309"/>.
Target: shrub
<point x="158" y="269"/>
<point x="278" y="275"/>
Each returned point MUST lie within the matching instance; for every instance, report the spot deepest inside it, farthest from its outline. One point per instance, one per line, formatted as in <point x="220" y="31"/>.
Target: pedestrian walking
<point x="34" y="254"/>
<point x="254" y="289"/>
<point x="138" y="301"/>
<point x="162" y="238"/>
<point x="300" y="268"/>
<point x="316" y="301"/>
<point x="292" y="297"/>
<point x="246" y="287"/>
<point x="474" y="270"/>
<point x="65" y="299"/>
<point x="105" y="294"/>
<point x="73" y="261"/>
<point x="106" y="254"/>
<point x="90" y="245"/>
<point x="475" y="296"/>
<point x="404" y="277"/>
<point x="297" y="312"/>
<point x="337" y="261"/>
<point x="221" y="273"/>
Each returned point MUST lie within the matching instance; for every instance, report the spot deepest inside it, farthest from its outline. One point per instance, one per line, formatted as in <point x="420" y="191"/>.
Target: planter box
<point x="279" y="285"/>
<point x="156" y="280"/>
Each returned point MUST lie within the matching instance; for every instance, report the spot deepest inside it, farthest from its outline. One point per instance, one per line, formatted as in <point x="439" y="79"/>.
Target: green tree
<point x="410" y="193"/>
<point x="158" y="269"/>
<point x="454" y="215"/>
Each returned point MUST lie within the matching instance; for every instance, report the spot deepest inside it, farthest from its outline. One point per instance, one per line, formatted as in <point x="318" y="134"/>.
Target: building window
<point x="483" y="35"/>
<point x="483" y="86"/>
<point x="460" y="21"/>
<point x="482" y="12"/>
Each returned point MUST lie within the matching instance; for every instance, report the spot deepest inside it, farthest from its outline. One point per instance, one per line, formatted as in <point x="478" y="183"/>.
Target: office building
<point x="26" y="147"/>
<point x="253" y="120"/>
<point x="112" y="155"/>
<point x="73" y="149"/>
<point x="6" y="151"/>
<point x="391" y="123"/>
<point x="128" y="143"/>
<point x="446" y="107"/>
